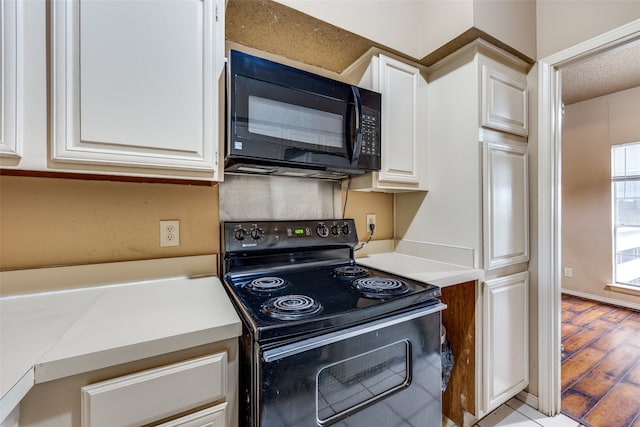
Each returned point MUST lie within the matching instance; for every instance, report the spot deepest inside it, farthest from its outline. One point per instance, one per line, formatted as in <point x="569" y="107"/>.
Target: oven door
<point x="383" y="373"/>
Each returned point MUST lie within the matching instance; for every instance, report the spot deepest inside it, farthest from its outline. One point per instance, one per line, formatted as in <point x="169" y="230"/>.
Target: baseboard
<point x="528" y="399"/>
<point x="612" y="301"/>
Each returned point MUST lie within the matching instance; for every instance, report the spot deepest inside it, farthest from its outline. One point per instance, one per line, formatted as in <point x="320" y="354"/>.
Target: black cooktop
<point x="286" y="284"/>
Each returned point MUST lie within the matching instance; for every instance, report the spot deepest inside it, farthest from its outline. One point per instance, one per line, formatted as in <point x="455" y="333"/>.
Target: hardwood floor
<point x="600" y="363"/>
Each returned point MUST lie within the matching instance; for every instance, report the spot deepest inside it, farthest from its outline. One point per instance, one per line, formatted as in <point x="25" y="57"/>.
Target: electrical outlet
<point x="170" y="233"/>
<point x="371" y="219"/>
<point x="568" y="272"/>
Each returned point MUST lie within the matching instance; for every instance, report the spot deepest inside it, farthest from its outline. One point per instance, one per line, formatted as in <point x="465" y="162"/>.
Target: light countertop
<point x="426" y="270"/>
<point x="51" y="335"/>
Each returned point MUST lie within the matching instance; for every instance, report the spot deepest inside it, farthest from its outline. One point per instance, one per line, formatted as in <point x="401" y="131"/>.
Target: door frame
<point x="549" y="204"/>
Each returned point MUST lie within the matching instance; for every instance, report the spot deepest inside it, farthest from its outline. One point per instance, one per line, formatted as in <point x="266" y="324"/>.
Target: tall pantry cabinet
<point x="477" y="210"/>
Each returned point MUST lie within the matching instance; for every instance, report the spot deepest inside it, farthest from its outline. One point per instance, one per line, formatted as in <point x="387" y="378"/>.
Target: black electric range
<point x="289" y="278"/>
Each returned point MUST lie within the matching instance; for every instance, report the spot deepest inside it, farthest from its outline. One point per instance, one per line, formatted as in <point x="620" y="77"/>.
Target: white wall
<point x="512" y="22"/>
<point x="418" y="27"/>
<point x="562" y="24"/>
<point x="450" y="213"/>
<point x="393" y="23"/>
<point x="589" y="130"/>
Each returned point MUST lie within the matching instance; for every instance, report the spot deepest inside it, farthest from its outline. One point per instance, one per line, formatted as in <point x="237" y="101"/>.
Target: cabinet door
<point x="210" y="417"/>
<point x="505" y="338"/>
<point x="399" y="88"/>
<point x="504" y="102"/>
<point x="506" y="202"/>
<point x="135" y="83"/>
<point x="10" y="72"/>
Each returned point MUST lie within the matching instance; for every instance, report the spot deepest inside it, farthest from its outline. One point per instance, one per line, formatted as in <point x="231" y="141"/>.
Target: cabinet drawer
<point x="154" y="394"/>
<point x="210" y="417"/>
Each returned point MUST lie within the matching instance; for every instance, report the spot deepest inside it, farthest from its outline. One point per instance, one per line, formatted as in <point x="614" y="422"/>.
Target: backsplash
<point x="248" y="197"/>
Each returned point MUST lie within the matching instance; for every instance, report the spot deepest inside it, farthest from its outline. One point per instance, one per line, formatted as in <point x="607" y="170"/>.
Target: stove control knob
<point x="322" y="230"/>
<point x="334" y="230"/>
<point x="257" y="233"/>
<point x="240" y="234"/>
<point x="346" y="229"/>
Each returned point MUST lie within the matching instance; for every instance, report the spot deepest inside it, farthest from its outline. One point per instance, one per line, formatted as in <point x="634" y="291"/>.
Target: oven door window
<point x="347" y="386"/>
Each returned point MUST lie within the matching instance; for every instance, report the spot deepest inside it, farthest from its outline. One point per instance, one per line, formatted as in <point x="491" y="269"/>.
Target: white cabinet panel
<point x="402" y="163"/>
<point x="11" y="45"/>
<point x="135" y="83"/>
<point x="506" y="203"/>
<point x="210" y="417"/>
<point x="504" y="102"/>
<point x="399" y="89"/>
<point x="505" y="338"/>
<point x="155" y="394"/>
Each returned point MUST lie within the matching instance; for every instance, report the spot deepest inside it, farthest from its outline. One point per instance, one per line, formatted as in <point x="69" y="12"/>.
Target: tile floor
<point x="515" y="413"/>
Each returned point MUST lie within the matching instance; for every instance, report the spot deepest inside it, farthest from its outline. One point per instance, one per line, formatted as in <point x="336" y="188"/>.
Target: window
<point x="626" y="213"/>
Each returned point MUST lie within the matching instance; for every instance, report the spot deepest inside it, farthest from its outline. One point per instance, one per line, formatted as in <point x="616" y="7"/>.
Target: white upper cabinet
<point x="135" y="85"/>
<point x="10" y="70"/>
<point x="506" y="202"/>
<point x="402" y="150"/>
<point x="504" y="101"/>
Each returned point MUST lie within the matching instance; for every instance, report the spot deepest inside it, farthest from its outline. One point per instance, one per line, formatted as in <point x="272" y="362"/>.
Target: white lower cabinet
<point x="159" y="393"/>
<point x="505" y="341"/>
<point x="210" y="417"/>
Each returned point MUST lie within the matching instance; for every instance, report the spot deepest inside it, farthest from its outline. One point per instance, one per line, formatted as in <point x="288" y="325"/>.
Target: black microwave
<point x="286" y="121"/>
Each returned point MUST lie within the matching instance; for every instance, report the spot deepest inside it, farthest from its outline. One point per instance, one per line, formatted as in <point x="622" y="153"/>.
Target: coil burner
<point x="350" y="271"/>
<point x="266" y="284"/>
<point x="380" y="287"/>
<point x="291" y="307"/>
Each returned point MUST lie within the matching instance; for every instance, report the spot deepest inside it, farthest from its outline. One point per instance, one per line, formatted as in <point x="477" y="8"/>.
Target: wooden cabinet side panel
<point x="459" y="320"/>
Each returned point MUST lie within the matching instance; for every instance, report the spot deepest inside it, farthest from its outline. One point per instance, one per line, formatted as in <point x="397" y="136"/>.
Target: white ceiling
<point x="613" y="71"/>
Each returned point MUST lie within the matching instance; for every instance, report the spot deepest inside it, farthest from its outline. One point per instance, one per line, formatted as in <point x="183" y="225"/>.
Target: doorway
<point x="549" y="204"/>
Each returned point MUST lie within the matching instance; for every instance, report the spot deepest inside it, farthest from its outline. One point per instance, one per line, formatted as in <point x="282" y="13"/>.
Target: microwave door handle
<point x="357" y="147"/>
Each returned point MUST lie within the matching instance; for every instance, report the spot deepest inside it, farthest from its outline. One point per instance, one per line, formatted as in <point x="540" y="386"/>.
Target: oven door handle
<point x="323" y="340"/>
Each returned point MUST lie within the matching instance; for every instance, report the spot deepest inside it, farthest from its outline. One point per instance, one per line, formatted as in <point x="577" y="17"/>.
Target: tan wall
<point x="47" y="221"/>
<point x="562" y="24"/>
<point x="59" y="222"/>
<point x="589" y="130"/>
<point x="359" y="204"/>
